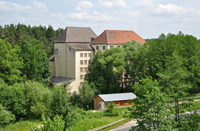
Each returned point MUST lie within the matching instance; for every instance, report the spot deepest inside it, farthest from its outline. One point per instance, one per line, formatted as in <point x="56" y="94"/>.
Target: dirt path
<point x="130" y="123"/>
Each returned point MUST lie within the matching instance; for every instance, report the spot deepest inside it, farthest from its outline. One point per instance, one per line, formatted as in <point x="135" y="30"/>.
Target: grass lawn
<point x="116" y="125"/>
<point x="90" y="119"/>
<point x="20" y="126"/>
<point x="86" y="120"/>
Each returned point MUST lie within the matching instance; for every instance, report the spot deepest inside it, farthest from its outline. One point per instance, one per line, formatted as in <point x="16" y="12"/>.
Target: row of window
<point x="82" y="76"/>
<point x="83" y="69"/>
<point x="85" y="62"/>
<point x="107" y="103"/>
<point x="97" y="47"/>
<point x="85" y="55"/>
<point x="104" y="47"/>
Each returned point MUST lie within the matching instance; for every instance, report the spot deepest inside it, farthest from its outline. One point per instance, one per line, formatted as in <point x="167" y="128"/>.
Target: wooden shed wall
<point x="98" y="99"/>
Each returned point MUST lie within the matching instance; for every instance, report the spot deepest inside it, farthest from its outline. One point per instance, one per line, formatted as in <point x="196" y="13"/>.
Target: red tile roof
<point x="117" y="37"/>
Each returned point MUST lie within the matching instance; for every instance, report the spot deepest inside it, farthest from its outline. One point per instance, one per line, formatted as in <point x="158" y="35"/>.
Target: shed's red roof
<point x="117" y="37"/>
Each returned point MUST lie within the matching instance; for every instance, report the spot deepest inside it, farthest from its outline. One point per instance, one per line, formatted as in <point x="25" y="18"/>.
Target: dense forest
<point x="25" y="51"/>
<point x="14" y="34"/>
<point x="163" y="70"/>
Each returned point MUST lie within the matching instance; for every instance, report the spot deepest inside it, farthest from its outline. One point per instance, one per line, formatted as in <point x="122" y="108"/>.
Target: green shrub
<point x="13" y="99"/>
<point x="5" y="116"/>
<point x="38" y="99"/>
<point x="111" y="111"/>
<point x="57" y="124"/>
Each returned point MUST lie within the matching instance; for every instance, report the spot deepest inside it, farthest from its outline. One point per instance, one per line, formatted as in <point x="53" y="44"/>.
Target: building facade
<point x="119" y="99"/>
<point x="114" y="38"/>
<point x="72" y="55"/>
<point x="74" y="49"/>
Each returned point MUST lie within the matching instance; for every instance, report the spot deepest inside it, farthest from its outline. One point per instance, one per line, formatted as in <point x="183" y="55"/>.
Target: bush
<point x="5" y="116"/>
<point x="111" y="111"/>
<point x="57" y="124"/>
<point x="13" y="99"/>
<point x="25" y="100"/>
<point x="38" y="99"/>
<point x="189" y="122"/>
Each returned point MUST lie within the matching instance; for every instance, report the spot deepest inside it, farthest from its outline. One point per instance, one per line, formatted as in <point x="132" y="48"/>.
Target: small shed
<point x="119" y="99"/>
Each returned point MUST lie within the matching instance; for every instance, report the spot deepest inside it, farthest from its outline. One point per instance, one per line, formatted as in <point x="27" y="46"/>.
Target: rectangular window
<point x="81" y="69"/>
<point x="118" y="46"/>
<point x="81" y="83"/>
<point x="117" y="103"/>
<point x="85" y="69"/>
<point x="85" y="55"/>
<point x="104" y="47"/>
<point x="125" y="103"/>
<point x="81" y="62"/>
<point x="81" y="54"/>
<point x="81" y="76"/>
<point x="85" y="62"/>
<point x="111" y="47"/>
<point x="97" y="47"/>
<point x="89" y="55"/>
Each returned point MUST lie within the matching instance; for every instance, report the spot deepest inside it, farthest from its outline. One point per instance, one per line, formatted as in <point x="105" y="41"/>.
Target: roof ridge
<point x="118" y="30"/>
<point x="116" y="93"/>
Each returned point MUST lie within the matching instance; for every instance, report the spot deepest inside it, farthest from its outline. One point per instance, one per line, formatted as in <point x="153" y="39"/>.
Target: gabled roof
<point x="81" y="47"/>
<point x="76" y="34"/>
<point x="117" y="96"/>
<point x="117" y="37"/>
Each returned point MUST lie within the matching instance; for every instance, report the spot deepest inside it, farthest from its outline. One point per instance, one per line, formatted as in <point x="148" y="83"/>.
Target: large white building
<point x="72" y="55"/>
<point x="74" y="49"/>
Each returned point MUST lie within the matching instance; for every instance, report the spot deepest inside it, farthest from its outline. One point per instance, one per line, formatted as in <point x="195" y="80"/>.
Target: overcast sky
<point x="148" y="18"/>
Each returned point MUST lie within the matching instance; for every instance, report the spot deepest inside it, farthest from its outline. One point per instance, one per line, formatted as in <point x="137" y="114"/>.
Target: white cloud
<point x="174" y="9"/>
<point x="35" y="13"/>
<point x="112" y="3"/>
<point x="39" y="5"/>
<point x="84" y="5"/>
<point x="12" y="7"/>
<point x="8" y="6"/>
<point x="146" y="3"/>
<point x="92" y="16"/>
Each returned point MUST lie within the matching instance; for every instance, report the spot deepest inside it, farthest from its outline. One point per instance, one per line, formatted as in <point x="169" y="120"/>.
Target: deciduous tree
<point x="10" y="63"/>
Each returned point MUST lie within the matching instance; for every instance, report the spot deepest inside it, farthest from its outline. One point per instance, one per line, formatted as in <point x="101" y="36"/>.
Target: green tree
<point x="106" y="70"/>
<point x="189" y="122"/>
<point x="137" y="62"/>
<point x="38" y="99"/>
<point x="35" y="60"/>
<point x="1" y="32"/>
<point x="5" y="116"/>
<point x="151" y="108"/>
<point x="50" y="34"/>
<point x="56" y="124"/>
<point x="59" y="106"/>
<point x="10" y="63"/>
<point x="110" y="110"/>
<point x="13" y="99"/>
<point x="174" y="80"/>
<point x="10" y="33"/>
<point x="22" y="33"/>
<point x="86" y="95"/>
<point x="187" y="46"/>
